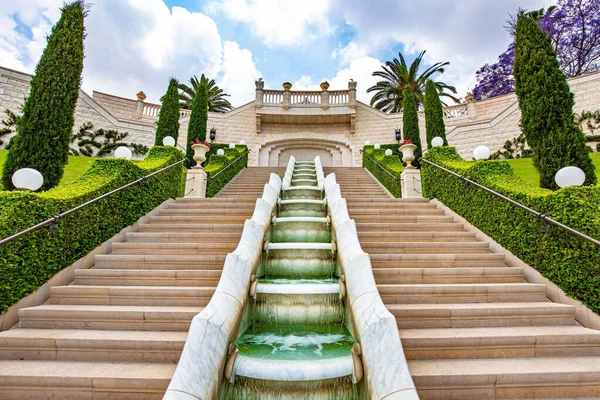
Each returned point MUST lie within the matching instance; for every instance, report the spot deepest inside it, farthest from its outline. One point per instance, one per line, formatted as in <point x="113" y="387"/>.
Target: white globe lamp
<point x="569" y="176"/>
<point x="367" y="142"/>
<point x="220" y="152"/>
<point x="27" y="179"/>
<point x="437" y="142"/>
<point x="232" y="145"/>
<point x="123" y="152"/>
<point x="388" y="152"/>
<point x="168" y="141"/>
<point x="482" y="153"/>
<point x="377" y="146"/>
<point x="242" y="142"/>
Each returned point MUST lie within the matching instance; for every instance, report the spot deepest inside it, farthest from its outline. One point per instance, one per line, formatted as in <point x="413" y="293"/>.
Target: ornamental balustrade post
<point x="352" y="93"/>
<point x="287" y="95"/>
<point x="260" y="85"/>
<point x="141" y="96"/>
<point x="324" y="95"/>
<point x="471" y="108"/>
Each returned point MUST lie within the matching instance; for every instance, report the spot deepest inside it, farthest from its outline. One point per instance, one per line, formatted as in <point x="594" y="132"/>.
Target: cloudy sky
<point x="135" y="45"/>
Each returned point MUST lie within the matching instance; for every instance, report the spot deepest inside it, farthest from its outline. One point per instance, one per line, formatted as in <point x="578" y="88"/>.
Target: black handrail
<point x="382" y="167"/>
<point x="228" y="165"/>
<point x="79" y="207"/>
<point x="543" y="217"/>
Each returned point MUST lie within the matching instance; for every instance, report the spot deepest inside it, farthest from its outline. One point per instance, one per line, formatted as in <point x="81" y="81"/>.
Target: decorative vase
<point x="287" y="85"/>
<point x="200" y="153"/>
<point x="408" y="154"/>
<point x="324" y="85"/>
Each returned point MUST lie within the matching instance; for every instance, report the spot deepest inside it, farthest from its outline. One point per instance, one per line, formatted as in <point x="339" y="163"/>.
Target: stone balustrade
<point x="456" y="111"/>
<point x="150" y="110"/>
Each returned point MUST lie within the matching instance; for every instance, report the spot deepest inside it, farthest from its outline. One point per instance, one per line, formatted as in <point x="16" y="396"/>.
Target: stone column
<point x="471" y="109"/>
<point x="141" y="96"/>
<point x="352" y="93"/>
<point x="287" y="95"/>
<point x="410" y="182"/>
<point x="260" y="85"/>
<point x="195" y="186"/>
<point x="324" y="95"/>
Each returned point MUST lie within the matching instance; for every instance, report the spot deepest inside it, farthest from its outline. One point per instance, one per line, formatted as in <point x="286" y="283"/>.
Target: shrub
<point x="198" y="120"/>
<point x="570" y="262"/>
<point x="45" y="129"/>
<point x="11" y="125"/>
<point x="217" y="163"/>
<point x="89" y="144"/>
<point x="434" y="114"/>
<point x="168" y="117"/>
<point x="546" y="103"/>
<point x="392" y="164"/>
<point x="410" y="123"/>
<point x="597" y="146"/>
<point x="30" y="261"/>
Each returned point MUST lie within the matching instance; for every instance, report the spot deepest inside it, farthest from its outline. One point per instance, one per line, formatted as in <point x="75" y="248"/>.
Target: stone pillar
<point x="352" y="93"/>
<point x="195" y="186"/>
<point x="471" y="109"/>
<point x="287" y="95"/>
<point x="410" y="182"/>
<point x="324" y="95"/>
<point x="141" y="96"/>
<point x="260" y="85"/>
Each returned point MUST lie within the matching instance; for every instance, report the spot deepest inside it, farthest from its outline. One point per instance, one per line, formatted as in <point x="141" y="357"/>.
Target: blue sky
<point x="137" y="45"/>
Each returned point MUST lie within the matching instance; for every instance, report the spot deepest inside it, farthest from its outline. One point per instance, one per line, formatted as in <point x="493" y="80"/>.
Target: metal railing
<point x="57" y="217"/>
<point x="382" y="167"/>
<point x="545" y="219"/>
<point x="228" y="165"/>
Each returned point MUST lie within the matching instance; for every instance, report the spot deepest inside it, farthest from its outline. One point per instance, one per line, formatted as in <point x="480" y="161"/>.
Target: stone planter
<point x="408" y="154"/>
<point x="200" y="151"/>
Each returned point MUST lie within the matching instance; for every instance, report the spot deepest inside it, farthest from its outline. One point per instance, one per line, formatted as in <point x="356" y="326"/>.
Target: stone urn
<point x="324" y="85"/>
<point x="200" y="151"/>
<point x="287" y="85"/>
<point x="408" y="154"/>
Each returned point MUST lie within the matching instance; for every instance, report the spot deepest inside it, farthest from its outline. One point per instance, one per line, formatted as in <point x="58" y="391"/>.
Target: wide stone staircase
<point x="118" y="330"/>
<point x="471" y="327"/>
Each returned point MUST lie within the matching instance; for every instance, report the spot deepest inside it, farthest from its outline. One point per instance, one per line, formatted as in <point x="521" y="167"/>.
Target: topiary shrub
<point x="391" y="165"/>
<point x="216" y="163"/>
<point x="168" y="117"/>
<point x="410" y="123"/>
<point x="546" y="103"/>
<point x="570" y="262"/>
<point x="434" y="114"/>
<point x="198" y="120"/>
<point x="45" y="129"/>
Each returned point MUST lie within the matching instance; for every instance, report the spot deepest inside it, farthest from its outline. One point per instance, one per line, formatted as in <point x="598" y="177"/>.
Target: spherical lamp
<point x="242" y="142"/>
<point x="123" y="152"/>
<point x="168" y="141"/>
<point x="232" y="145"/>
<point x="220" y="152"/>
<point x="27" y="179"/>
<point x="482" y="153"/>
<point x="388" y="152"/>
<point x="377" y="146"/>
<point x="367" y="142"/>
<point x="437" y="142"/>
<point x="569" y="176"/>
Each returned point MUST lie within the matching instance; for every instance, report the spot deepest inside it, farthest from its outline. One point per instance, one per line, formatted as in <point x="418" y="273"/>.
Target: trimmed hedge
<point x="570" y="262"/>
<point x="28" y="262"/>
<point x="215" y="163"/>
<point x="392" y="164"/>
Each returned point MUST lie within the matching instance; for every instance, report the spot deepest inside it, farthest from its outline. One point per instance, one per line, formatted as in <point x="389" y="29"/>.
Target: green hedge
<point x="28" y="262"/>
<point x="392" y="164"/>
<point x="215" y="163"/>
<point x="570" y="262"/>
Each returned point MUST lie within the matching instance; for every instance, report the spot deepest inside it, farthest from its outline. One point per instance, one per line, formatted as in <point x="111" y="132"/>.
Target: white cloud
<point x="238" y="74"/>
<point x="279" y="23"/>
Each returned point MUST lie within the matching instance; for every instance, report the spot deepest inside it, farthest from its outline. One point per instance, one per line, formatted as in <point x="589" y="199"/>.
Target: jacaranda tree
<point x="46" y="126"/>
<point x="168" y="117"/>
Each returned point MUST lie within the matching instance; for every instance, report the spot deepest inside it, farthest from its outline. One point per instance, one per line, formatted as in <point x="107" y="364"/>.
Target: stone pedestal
<point x="410" y="181"/>
<point x="195" y="186"/>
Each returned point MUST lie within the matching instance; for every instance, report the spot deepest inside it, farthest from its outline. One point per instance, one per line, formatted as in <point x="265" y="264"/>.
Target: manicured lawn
<point x="74" y="169"/>
<point x="524" y="168"/>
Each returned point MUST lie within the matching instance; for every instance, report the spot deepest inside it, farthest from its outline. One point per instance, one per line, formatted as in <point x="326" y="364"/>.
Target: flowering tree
<point x="574" y="28"/>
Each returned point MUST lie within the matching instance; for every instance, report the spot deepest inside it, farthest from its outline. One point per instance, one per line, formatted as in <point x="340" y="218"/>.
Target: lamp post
<point x="213" y="134"/>
<point x="398" y="135"/>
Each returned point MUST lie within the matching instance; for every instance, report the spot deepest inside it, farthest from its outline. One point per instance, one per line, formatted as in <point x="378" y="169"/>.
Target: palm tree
<point x="396" y="74"/>
<point x="216" y="98"/>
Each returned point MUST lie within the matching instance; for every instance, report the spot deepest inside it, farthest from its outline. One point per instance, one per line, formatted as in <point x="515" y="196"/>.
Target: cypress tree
<point x="434" y="115"/>
<point x="198" y="120"/>
<point x="168" y="118"/>
<point x="46" y="127"/>
<point x="410" y="122"/>
<point x="546" y="103"/>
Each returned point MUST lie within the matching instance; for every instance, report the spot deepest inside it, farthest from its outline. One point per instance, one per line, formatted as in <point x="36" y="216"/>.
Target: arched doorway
<point x="334" y="151"/>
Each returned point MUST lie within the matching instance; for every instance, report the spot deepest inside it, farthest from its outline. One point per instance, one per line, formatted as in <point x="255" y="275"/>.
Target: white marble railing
<point x="459" y="110"/>
<point x="184" y="113"/>
<point x="273" y="96"/>
<point x="151" y="110"/>
<point x="338" y="97"/>
<point x="305" y="98"/>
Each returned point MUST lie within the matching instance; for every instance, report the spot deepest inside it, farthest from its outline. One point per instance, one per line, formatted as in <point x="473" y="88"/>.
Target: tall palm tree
<point x="396" y="74"/>
<point x="216" y="98"/>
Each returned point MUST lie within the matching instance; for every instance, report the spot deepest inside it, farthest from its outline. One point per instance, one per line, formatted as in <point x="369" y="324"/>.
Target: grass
<point x="76" y="167"/>
<point x="524" y="168"/>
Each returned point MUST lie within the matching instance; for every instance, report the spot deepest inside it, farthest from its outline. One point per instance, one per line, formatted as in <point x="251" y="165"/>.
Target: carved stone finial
<point x="469" y="97"/>
<point x="324" y="85"/>
<point x="287" y="85"/>
<point x="352" y="84"/>
<point x="141" y="95"/>
<point x="260" y="84"/>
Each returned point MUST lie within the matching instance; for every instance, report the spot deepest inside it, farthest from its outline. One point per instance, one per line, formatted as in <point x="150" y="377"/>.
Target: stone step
<point x="181" y="237"/>
<point x="507" y="378"/>
<point x="387" y="205"/>
<point x="391" y="200"/>
<point x="226" y="218"/>
<point x="404" y="219"/>
<point x="437" y="260"/>
<point x="425" y="247"/>
<point x="200" y="248"/>
<point x="461" y="315"/>
<point x="355" y="212"/>
<point x="131" y="295"/>
<point x="170" y="262"/>
<point x="449" y="275"/>
<point x="209" y="213"/>
<point x="140" y="277"/>
<point x="131" y="318"/>
<point x="84" y="380"/>
<point x="214" y="208"/>
<point x="409" y="227"/>
<point x="462" y="293"/>
<point x="96" y="345"/>
<point x="498" y="342"/>
<point x="214" y="201"/>
<point x="395" y="237"/>
<point x="193" y="228"/>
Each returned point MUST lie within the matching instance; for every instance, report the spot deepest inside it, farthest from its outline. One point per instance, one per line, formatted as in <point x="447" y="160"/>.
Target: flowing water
<point x="297" y="344"/>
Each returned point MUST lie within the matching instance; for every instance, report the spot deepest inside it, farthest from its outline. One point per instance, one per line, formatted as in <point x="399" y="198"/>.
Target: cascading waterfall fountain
<point x="295" y="341"/>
